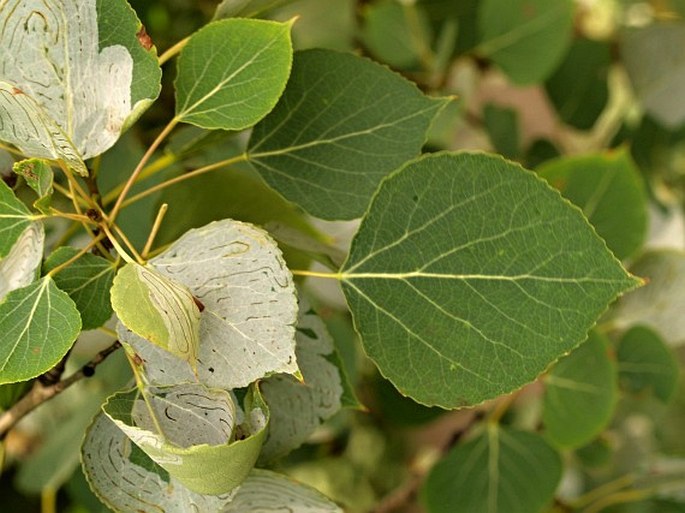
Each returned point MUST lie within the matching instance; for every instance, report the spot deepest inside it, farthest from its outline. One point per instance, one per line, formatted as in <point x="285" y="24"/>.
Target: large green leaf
<point x="39" y="323"/>
<point x="247" y="326"/>
<point x="232" y="72"/>
<point x="158" y="309"/>
<point x="586" y="67"/>
<point x="87" y="280"/>
<point x="581" y="394"/>
<point x="646" y="363"/>
<point x="342" y="124"/>
<point x="128" y="481"/>
<point x="660" y="304"/>
<point x="72" y="70"/>
<point x="469" y="276"/>
<point x="299" y="407"/>
<point x="526" y="38"/>
<point x="656" y="68"/>
<point x="198" y="443"/>
<point x="609" y="190"/>
<point x="500" y="470"/>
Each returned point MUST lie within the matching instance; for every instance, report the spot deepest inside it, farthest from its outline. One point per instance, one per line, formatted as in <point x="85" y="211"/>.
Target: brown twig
<point x="41" y="393"/>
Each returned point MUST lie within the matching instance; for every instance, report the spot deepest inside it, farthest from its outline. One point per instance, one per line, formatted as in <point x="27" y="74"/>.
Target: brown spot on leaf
<point x="143" y="38"/>
<point x="16" y="91"/>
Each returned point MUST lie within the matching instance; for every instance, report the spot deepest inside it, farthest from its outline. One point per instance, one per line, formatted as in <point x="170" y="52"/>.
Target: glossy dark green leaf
<point x="499" y="470"/>
<point x="480" y="271"/>
<point x="526" y="38"/>
<point x="610" y="191"/>
<point x="342" y="124"/>
<point x="580" y="394"/>
<point x="645" y="363"/>
<point x="87" y="281"/>
<point x="232" y="72"/>
<point x="578" y="88"/>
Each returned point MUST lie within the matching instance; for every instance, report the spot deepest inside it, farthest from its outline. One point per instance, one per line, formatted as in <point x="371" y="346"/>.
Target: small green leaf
<point x="38" y="175"/>
<point x="232" y="72"/>
<point x="247" y="328"/>
<point x="526" y="38"/>
<point x="646" y="363"/>
<point x="246" y="8"/>
<point x="581" y="394"/>
<point x="609" y="190"/>
<point x="196" y="445"/>
<point x="268" y="492"/>
<point x="21" y="265"/>
<point x="75" y="71"/>
<point x="502" y="125"/>
<point x="298" y="408"/>
<point x="87" y="280"/>
<point x="343" y="123"/>
<point x="14" y="219"/>
<point x="39" y="324"/>
<point x="654" y="63"/>
<point x="586" y="66"/>
<point x="477" y="269"/>
<point x="500" y="470"/>
<point x="127" y="480"/>
<point x="660" y="304"/>
<point x="158" y="309"/>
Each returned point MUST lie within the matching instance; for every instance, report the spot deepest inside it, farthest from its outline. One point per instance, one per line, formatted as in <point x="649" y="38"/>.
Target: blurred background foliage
<point x="591" y="94"/>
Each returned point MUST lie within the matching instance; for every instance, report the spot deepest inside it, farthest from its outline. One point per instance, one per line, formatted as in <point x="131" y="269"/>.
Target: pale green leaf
<point x="21" y="265"/>
<point x="298" y="408"/>
<point x="232" y="72"/>
<point x="39" y="176"/>
<point x="580" y="394"/>
<point x="660" y="304"/>
<point x="87" y="280"/>
<point x="128" y="481"/>
<point x="245" y="8"/>
<point x="198" y="444"/>
<point x="74" y="66"/>
<point x="609" y="189"/>
<point x="646" y="363"/>
<point x="343" y="123"/>
<point x="15" y="218"/>
<point x="157" y="309"/>
<point x="478" y="270"/>
<point x="39" y="324"/>
<point x="268" y="492"/>
<point x="501" y="470"/>
<point x="526" y="38"/>
<point x="247" y="327"/>
<point x="656" y="68"/>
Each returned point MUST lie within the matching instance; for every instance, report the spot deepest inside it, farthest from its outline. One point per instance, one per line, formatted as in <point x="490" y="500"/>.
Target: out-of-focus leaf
<point x="245" y="8"/>
<point x="502" y="126"/>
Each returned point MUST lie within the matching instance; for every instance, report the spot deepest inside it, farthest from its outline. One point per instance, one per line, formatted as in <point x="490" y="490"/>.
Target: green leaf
<point x="245" y="8"/>
<point x="39" y="324"/>
<point x="268" y="492"/>
<point x="342" y="124"/>
<point x="299" y="407"/>
<point x="247" y="327"/>
<point x="580" y="395"/>
<point x="660" y="304"/>
<point x="526" y="38"/>
<point x="196" y="445"/>
<point x="73" y="76"/>
<point x="500" y="470"/>
<point x="128" y="481"/>
<point x="656" y="68"/>
<point x="232" y="72"/>
<point x="480" y="271"/>
<point x="20" y="266"/>
<point x="157" y="309"/>
<point x="39" y="176"/>
<point x="586" y="66"/>
<point x="646" y="363"/>
<point x="15" y="218"/>
<point x="502" y="125"/>
<point x="87" y="280"/>
<point x="609" y="190"/>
